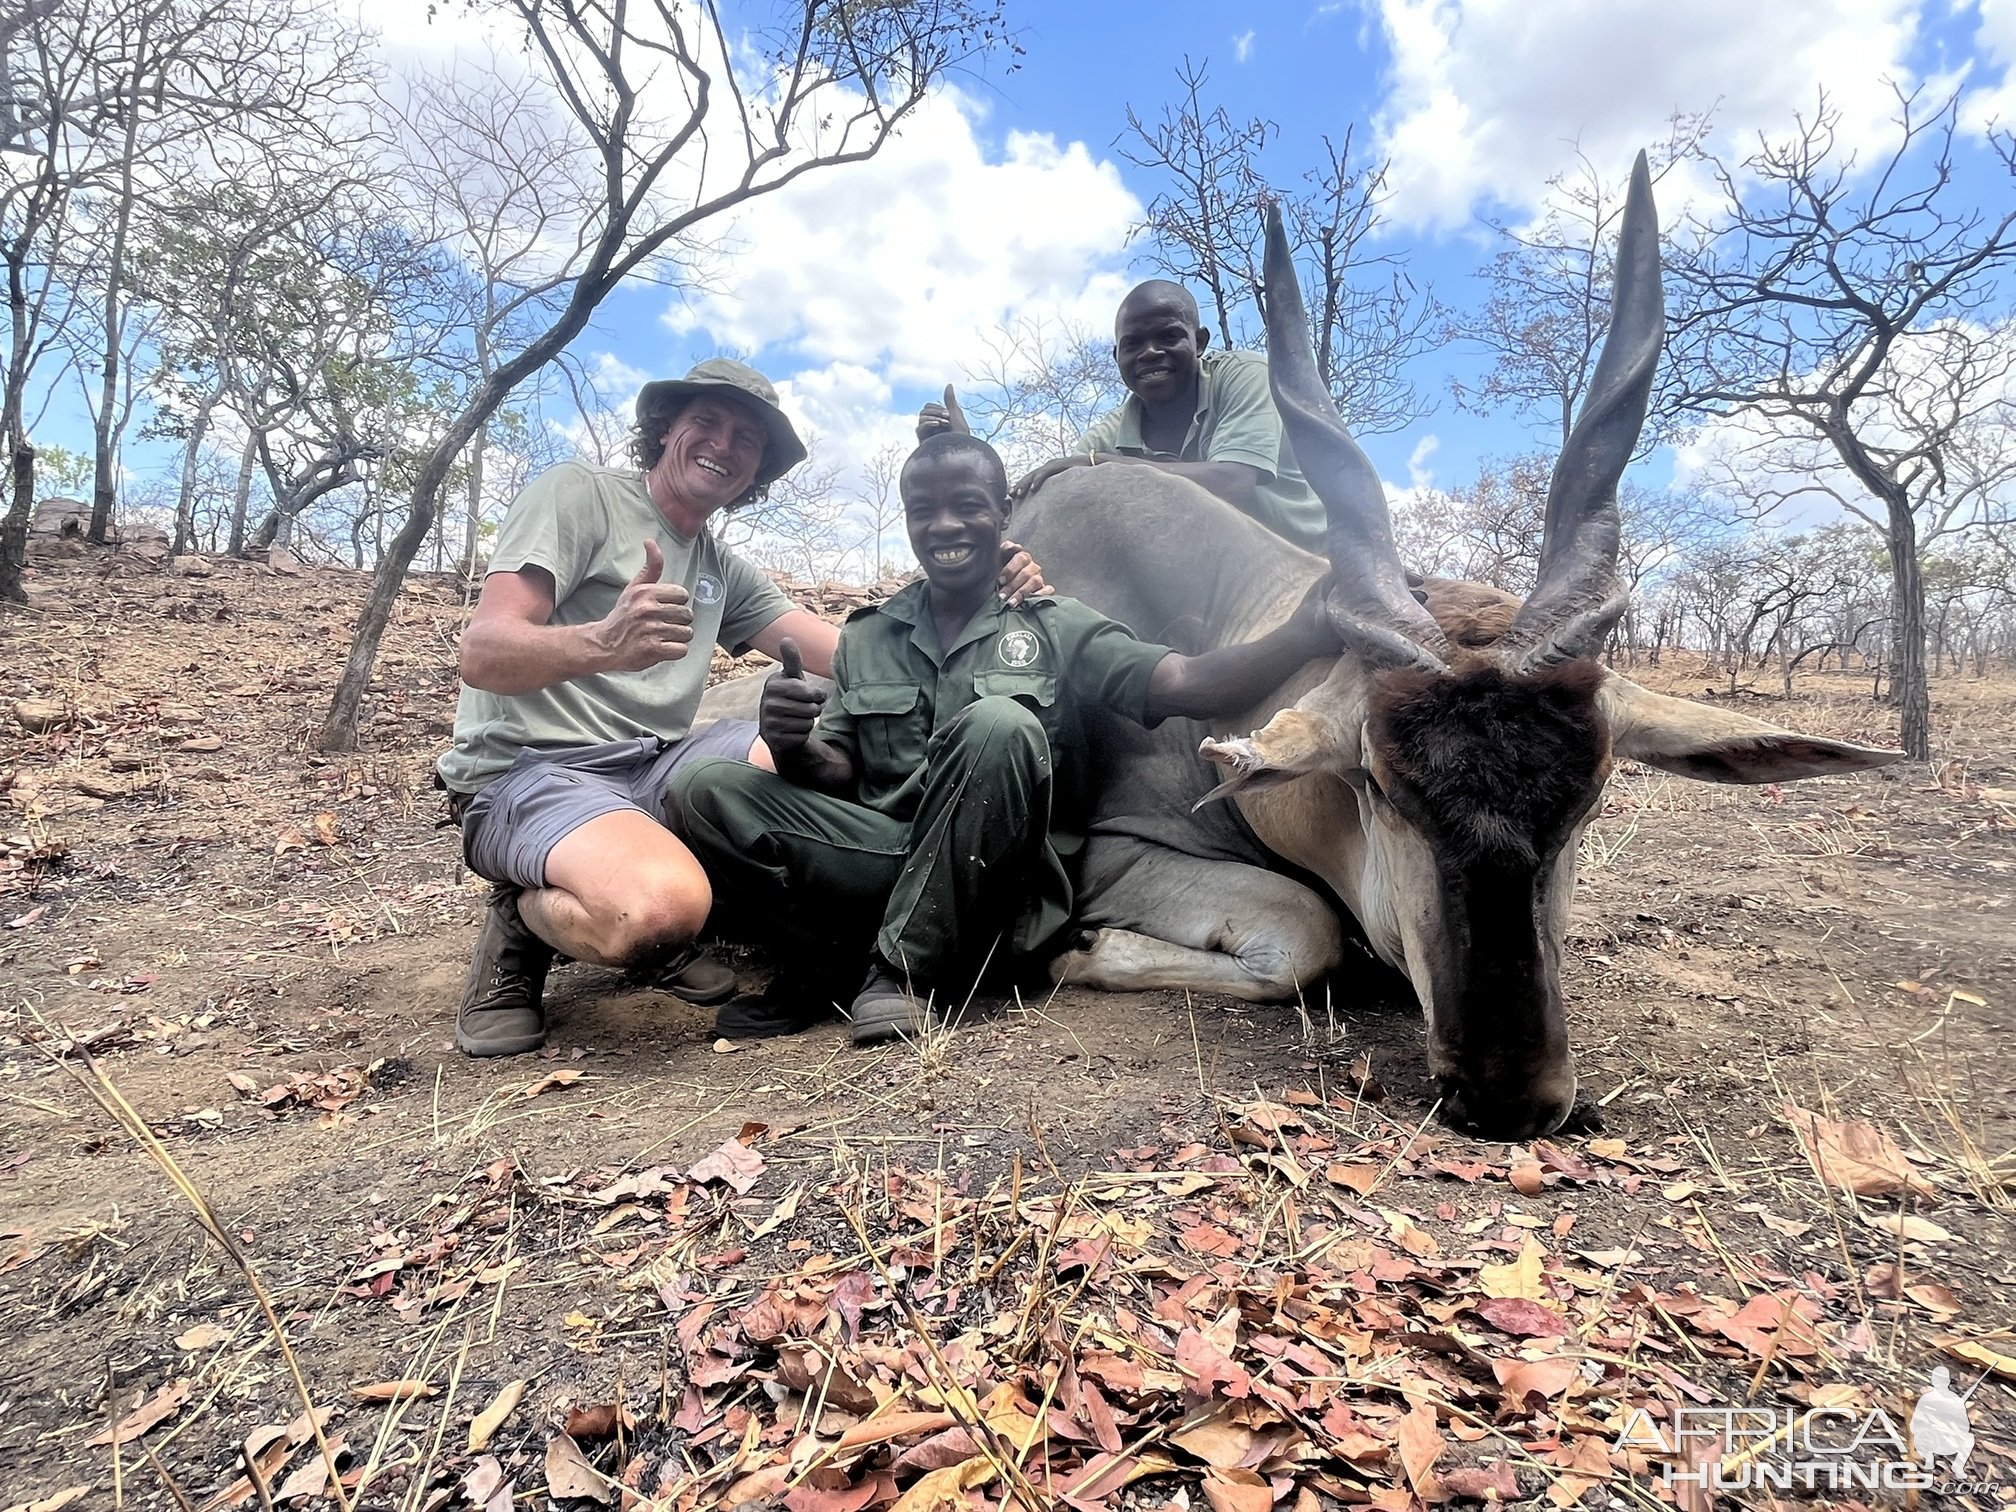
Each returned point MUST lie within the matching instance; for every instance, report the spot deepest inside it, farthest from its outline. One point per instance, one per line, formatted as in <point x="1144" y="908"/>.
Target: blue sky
<point x="862" y="290"/>
<point x="1477" y="102"/>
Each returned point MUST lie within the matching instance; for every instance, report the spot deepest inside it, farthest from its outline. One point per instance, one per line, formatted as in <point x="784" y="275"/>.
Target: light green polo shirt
<point x="587" y="526"/>
<point x="1235" y="422"/>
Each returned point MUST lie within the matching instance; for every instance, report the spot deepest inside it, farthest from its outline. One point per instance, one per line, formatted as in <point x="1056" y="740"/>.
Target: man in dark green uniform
<point x="935" y="803"/>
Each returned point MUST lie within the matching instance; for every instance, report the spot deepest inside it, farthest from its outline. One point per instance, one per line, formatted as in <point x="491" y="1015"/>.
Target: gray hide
<point x="1172" y="895"/>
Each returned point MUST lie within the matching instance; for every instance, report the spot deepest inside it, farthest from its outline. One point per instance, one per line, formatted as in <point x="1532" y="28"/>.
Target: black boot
<point x="501" y="1013"/>
<point x="797" y="999"/>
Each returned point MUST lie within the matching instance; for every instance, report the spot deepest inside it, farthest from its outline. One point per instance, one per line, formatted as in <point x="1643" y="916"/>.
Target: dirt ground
<point x="259" y="947"/>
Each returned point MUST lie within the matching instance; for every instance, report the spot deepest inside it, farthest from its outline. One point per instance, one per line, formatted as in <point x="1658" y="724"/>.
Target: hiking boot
<point x="795" y="1000"/>
<point x="693" y="976"/>
<point x="501" y="1012"/>
<point x="885" y="1009"/>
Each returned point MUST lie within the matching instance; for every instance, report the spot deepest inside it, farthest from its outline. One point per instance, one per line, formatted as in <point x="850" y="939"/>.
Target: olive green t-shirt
<point x="587" y="526"/>
<point x="1235" y="422"/>
<point x="895" y="688"/>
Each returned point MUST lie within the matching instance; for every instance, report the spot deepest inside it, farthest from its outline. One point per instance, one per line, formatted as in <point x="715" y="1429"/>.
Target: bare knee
<point x="661" y="909"/>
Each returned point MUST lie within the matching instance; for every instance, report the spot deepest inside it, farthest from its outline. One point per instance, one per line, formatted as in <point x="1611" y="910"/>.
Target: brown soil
<point x="208" y="906"/>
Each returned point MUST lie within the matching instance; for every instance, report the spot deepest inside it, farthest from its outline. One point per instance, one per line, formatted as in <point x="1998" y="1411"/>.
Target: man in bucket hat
<point x="578" y="695"/>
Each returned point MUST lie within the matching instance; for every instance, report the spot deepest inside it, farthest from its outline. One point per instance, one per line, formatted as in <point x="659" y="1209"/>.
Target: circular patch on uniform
<point x="1017" y="648"/>
<point x="707" y="590"/>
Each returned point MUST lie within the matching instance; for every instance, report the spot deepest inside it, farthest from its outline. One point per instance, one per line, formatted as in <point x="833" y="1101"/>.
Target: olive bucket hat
<point x="782" y="450"/>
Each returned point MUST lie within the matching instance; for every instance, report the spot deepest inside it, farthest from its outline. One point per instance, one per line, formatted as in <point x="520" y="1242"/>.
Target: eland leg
<point x="1160" y="919"/>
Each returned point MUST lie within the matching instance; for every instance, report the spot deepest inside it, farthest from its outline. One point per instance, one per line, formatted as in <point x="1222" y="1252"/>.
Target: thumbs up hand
<point x="791" y="703"/>
<point x="651" y="623"/>
<point x="942" y="415"/>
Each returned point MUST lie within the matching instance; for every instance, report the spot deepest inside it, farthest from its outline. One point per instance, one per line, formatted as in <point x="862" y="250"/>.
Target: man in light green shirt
<point x="1200" y="414"/>
<point x="579" y="692"/>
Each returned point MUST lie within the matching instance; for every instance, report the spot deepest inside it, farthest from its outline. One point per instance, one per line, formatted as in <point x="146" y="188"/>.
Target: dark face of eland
<point x="1493" y="777"/>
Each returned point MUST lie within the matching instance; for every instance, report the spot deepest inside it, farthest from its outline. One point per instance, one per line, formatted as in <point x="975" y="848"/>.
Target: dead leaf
<point x="1908" y="1226"/>
<point x="395" y="1391"/>
<point x="945" y="1490"/>
<point x="1237" y="1491"/>
<point x="1521" y="1317"/>
<point x="483" y="1427"/>
<point x="1855" y="1155"/>
<point x="24" y="920"/>
<point x="487" y="1486"/>
<point x="155" y="1410"/>
<point x="1940" y="1300"/>
<point x="288" y="838"/>
<point x="568" y="1472"/>
<point x="1523" y="1378"/>
<point x="326" y="829"/>
<point x="733" y="1163"/>
<point x="1526" y="1177"/>
<point x="599" y="1421"/>
<point x="1979" y="1352"/>
<point x="56" y="1501"/>
<point x="1516" y="1278"/>
<point x="1498" y="1484"/>
<point x="784" y="1212"/>
<point x="1421" y="1444"/>
<point x="565" y="1077"/>
<point x="310" y="1477"/>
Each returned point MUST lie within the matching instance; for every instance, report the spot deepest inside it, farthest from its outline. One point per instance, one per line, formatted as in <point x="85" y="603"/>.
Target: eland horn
<point x="1579" y="596"/>
<point x="1369" y="599"/>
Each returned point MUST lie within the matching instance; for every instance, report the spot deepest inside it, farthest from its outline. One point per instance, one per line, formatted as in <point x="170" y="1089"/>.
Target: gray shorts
<point x="512" y="825"/>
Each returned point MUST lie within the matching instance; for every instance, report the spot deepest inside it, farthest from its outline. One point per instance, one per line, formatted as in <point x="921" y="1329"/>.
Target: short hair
<point x="655" y="414"/>
<point x="947" y="444"/>
<point x="1162" y="289"/>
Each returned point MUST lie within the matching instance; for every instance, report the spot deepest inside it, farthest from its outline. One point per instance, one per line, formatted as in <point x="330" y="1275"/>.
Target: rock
<point x="43" y="714"/>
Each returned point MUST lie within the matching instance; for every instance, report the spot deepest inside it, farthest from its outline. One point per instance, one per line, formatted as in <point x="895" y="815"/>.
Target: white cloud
<point x="1242" y="45"/>
<point x="1420" y="474"/>
<point x="903" y="263"/>
<point x="1489" y="98"/>
<point x="1995" y="40"/>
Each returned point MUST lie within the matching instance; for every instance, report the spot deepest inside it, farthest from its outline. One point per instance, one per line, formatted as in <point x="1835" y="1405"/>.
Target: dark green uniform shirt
<point x="895" y="688"/>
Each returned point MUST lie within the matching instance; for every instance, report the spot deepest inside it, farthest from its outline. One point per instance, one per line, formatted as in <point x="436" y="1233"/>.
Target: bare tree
<point x="1367" y="319"/>
<point x="725" y="118"/>
<point x="1038" y="387"/>
<point x="881" y="506"/>
<point x="1843" y="302"/>
<point x="497" y="176"/>
<point x="1547" y="305"/>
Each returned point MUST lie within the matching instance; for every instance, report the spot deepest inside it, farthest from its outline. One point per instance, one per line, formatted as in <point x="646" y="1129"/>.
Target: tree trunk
<point x="339" y="730"/>
<point x="1909" y="689"/>
<point x="105" y="481"/>
<point x="14" y="530"/>
<point x="473" y="523"/>
<point x="185" y="502"/>
<point x="241" y="495"/>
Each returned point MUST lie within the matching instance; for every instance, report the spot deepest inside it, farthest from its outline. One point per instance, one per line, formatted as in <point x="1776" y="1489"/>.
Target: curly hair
<point x="655" y="414"/>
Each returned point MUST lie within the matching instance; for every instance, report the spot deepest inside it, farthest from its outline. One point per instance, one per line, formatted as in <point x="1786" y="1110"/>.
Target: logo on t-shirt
<point x="707" y="590"/>
<point x="1017" y="648"/>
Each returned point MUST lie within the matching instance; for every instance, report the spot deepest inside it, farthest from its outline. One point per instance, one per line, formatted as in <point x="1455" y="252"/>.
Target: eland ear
<point x="1292" y="744"/>
<point x="1714" y="745"/>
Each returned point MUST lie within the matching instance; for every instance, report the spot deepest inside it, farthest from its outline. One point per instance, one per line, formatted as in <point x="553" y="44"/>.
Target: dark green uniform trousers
<point x="971" y="875"/>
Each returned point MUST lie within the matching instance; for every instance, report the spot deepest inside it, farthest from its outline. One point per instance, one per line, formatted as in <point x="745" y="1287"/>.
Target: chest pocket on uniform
<point x="1036" y="690"/>
<point x="892" y="727"/>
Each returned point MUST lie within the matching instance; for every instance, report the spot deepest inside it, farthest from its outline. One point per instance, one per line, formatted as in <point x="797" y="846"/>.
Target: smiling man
<point x="579" y="691"/>
<point x="937" y="804"/>
<point x="1201" y="414"/>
